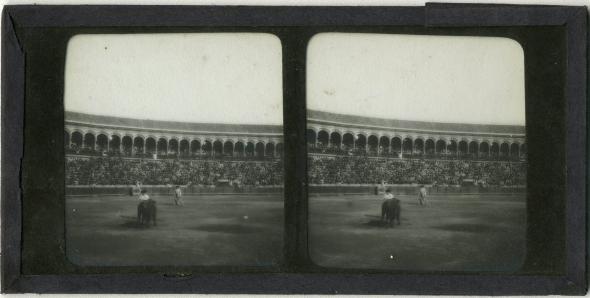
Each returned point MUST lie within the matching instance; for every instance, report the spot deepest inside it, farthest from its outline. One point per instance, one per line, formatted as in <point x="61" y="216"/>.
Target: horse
<point x="390" y="211"/>
<point x="146" y="212"/>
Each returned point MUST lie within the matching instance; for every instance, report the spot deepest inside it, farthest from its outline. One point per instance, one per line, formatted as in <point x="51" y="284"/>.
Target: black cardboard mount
<point x="32" y="189"/>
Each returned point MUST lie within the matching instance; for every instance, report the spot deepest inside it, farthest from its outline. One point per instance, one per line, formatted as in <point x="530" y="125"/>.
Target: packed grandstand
<point x="342" y="149"/>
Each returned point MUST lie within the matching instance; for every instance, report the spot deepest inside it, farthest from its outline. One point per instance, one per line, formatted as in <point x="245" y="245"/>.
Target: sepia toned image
<point x="416" y="152"/>
<point x="294" y="150"/>
<point x="174" y="146"/>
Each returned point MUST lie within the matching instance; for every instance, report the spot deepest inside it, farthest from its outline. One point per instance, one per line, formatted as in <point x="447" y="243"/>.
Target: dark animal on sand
<point x="146" y="212"/>
<point x="390" y="211"/>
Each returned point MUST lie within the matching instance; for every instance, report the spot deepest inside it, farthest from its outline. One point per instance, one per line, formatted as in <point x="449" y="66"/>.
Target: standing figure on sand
<point x="422" y="194"/>
<point x="178" y="196"/>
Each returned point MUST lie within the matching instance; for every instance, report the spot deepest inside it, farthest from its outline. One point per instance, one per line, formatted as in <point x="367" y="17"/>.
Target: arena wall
<point x="410" y="189"/>
<point x="82" y="190"/>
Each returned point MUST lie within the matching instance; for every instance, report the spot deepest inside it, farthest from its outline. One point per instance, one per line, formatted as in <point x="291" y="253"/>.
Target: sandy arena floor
<point x="209" y="230"/>
<point x="455" y="232"/>
<point x="461" y="232"/>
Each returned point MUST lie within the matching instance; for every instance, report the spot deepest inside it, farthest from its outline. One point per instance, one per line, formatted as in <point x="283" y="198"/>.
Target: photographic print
<point x="416" y="152"/>
<point x="294" y="149"/>
<point x="174" y="147"/>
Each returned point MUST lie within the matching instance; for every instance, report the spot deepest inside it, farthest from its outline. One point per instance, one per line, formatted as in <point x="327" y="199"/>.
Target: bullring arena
<point x="232" y="179"/>
<point x="475" y="215"/>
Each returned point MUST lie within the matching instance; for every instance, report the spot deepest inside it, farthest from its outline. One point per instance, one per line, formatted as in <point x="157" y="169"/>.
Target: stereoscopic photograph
<point x="174" y="146"/>
<point x="437" y="149"/>
<point x="417" y="153"/>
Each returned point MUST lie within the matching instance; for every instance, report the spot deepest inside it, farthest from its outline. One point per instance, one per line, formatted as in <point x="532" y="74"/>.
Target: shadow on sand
<point x="469" y="228"/>
<point x="379" y="224"/>
<point x="131" y="223"/>
<point x="228" y="229"/>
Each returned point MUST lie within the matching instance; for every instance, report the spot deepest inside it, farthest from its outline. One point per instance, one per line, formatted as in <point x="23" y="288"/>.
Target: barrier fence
<point x="413" y="189"/>
<point x="78" y="190"/>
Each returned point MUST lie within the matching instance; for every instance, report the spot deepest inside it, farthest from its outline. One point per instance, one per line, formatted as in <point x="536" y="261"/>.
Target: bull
<point x="391" y="211"/>
<point x="146" y="212"/>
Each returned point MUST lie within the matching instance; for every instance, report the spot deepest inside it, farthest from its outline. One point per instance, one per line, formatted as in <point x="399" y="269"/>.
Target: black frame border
<point x="574" y="282"/>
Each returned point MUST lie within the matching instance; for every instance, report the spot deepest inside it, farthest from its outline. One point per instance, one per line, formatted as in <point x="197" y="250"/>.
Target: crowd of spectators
<point x="98" y="170"/>
<point x="342" y="169"/>
<point x="322" y="169"/>
<point x="203" y="154"/>
<point x="429" y="154"/>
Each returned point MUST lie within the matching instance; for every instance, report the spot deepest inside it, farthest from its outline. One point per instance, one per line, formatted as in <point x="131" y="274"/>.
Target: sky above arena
<point x="197" y="77"/>
<point x="237" y="77"/>
<point x="422" y="78"/>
